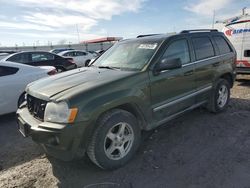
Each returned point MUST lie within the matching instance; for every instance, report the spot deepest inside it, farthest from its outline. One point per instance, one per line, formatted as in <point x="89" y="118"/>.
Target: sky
<point x="42" y="22"/>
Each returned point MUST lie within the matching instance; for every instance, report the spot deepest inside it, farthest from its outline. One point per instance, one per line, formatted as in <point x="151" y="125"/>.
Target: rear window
<point x="20" y="58"/>
<point x="222" y="45"/>
<point x="203" y="47"/>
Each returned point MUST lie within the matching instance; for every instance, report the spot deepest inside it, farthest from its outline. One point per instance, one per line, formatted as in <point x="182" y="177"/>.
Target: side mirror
<point x="168" y="64"/>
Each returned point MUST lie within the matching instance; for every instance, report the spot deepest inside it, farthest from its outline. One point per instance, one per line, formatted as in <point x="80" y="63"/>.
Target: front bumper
<point x="63" y="141"/>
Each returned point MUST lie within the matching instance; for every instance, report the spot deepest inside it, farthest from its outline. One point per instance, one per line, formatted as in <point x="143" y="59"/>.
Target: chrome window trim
<point x="195" y="62"/>
<point x="199" y="61"/>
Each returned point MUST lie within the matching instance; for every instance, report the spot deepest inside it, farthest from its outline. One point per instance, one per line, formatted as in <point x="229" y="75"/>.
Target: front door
<point x="172" y="91"/>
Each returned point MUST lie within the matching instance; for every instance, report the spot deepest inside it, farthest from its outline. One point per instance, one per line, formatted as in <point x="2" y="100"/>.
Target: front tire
<point x="87" y="63"/>
<point x="60" y="69"/>
<point x="115" y="139"/>
<point x="220" y="96"/>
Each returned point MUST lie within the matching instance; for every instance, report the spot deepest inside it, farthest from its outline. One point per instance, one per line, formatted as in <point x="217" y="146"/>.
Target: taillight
<point x="52" y="72"/>
<point x="71" y="61"/>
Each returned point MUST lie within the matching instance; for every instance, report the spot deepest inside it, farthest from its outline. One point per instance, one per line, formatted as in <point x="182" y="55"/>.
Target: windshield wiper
<point x="108" y="67"/>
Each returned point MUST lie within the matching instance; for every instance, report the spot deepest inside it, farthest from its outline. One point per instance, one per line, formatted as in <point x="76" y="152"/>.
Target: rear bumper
<point x="243" y="70"/>
<point x="58" y="140"/>
<point x="71" y="67"/>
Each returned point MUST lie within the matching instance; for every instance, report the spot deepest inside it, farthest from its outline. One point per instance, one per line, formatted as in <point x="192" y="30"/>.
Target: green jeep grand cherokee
<point x="136" y="85"/>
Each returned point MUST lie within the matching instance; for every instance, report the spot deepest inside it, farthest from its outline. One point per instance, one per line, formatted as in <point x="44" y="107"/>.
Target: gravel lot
<point x="199" y="149"/>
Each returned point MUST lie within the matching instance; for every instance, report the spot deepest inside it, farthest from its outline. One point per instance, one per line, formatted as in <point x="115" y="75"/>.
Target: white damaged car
<point x="14" y="77"/>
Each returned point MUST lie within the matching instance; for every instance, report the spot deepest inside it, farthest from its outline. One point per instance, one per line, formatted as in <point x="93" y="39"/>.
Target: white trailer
<point x="238" y="32"/>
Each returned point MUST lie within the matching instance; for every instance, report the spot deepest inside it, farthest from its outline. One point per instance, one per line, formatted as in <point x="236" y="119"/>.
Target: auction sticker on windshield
<point x="148" y="46"/>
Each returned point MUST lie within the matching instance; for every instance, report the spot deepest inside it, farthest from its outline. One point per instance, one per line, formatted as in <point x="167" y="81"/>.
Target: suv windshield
<point x="129" y="55"/>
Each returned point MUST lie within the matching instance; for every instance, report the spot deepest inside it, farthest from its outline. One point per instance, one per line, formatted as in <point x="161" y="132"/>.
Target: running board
<point x="180" y="113"/>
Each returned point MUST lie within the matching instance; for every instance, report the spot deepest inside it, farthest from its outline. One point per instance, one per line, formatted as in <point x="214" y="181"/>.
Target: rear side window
<point x="20" y="58"/>
<point x="222" y="44"/>
<point x="203" y="48"/>
<point x="5" y="71"/>
<point x="71" y="54"/>
<point x="178" y="49"/>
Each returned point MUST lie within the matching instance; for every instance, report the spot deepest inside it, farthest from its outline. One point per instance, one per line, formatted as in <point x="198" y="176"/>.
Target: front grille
<point x="36" y="107"/>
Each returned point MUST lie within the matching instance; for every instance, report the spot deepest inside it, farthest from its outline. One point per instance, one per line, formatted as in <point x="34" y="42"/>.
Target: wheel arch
<point x="229" y="77"/>
<point x="129" y="107"/>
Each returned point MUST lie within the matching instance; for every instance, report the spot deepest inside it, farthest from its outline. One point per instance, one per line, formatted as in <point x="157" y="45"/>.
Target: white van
<point x="238" y="32"/>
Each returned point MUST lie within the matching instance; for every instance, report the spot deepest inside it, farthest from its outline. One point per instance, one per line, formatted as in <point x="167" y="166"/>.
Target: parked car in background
<point x="14" y="77"/>
<point x="58" y="50"/>
<point x="81" y="58"/>
<point x="95" y="54"/>
<point x="40" y="58"/>
<point x="138" y="84"/>
<point x="5" y="53"/>
<point x="100" y="52"/>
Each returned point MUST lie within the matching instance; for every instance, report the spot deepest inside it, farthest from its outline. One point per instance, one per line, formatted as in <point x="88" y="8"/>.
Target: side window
<point x="81" y="53"/>
<point x="20" y="58"/>
<point x="5" y="71"/>
<point x="36" y="57"/>
<point x="178" y="49"/>
<point x="203" y="47"/>
<point x="222" y="45"/>
<point x="247" y="53"/>
<point x="69" y="54"/>
<point x="66" y="54"/>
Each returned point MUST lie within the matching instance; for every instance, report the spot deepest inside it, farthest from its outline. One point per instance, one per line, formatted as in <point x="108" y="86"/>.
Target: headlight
<point x="59" y="113"/>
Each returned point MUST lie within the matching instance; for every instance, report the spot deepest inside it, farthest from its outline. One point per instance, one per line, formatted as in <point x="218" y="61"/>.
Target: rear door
<point x="81" y="58"/>
<point x="172" y="90"/>
<point x="205" y="64"/>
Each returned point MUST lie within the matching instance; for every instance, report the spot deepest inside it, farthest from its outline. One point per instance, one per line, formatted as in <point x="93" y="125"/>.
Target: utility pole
<point x="213" y="19"/>
<point x="78" y="34"/>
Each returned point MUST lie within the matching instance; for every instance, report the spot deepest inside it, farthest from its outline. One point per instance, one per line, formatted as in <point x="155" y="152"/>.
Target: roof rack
<point x="199" y="30"/>
<point x="148" y="35"/>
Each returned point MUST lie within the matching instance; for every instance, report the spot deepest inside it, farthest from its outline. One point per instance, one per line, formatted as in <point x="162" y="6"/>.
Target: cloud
<point x="97" y="9"/>
<point x="60" y="21"/>
<point x="59" y="18"/>
<point x="91" y="9"/>
<point x="206" y="8"/>
<point x="23" y="26"/>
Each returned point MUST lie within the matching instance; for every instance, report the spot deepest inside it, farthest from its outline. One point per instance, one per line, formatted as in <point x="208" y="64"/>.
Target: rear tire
<point x="220" y="96"/>
<point x="115" y="140"/>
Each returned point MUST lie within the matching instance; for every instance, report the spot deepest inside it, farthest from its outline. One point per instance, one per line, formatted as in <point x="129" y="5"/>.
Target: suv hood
<point x="84" y="77"/>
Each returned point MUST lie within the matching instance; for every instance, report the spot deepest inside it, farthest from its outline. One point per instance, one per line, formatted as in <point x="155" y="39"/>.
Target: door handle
<point x="189" y="73"/>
